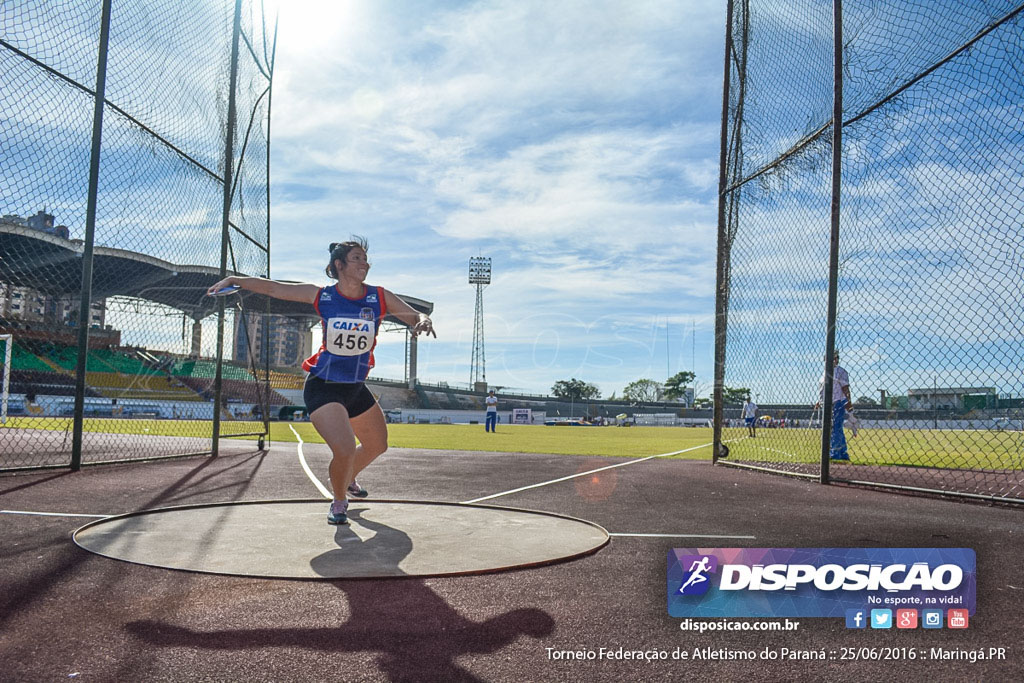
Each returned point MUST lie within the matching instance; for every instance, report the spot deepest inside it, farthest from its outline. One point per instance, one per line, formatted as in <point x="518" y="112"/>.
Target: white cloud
<point x="576" y="144"/>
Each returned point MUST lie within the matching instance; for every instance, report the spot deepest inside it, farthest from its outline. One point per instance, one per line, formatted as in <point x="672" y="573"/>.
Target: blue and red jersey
<point x="350" y="329"/>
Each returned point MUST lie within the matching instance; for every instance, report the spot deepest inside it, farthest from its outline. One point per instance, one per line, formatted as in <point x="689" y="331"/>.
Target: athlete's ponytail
<point x="339" y="251"/>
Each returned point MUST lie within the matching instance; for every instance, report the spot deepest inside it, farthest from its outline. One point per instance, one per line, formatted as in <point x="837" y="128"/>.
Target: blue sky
<point x="574" y="143"/>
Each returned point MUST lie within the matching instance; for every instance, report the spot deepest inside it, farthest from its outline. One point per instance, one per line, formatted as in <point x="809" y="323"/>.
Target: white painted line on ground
<point x="50" y="514"/>
<point x="680" y="536"/>
<point x="775" y="450"/>
<point x="309" y="473"/>
<point x="582" y="474"/>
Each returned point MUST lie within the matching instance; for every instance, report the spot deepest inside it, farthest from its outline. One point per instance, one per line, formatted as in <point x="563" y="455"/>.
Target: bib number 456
<point x="352" y="342"/>
<point x="349" y="336"/>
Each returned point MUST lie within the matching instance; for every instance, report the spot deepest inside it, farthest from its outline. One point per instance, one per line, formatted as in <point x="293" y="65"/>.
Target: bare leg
<point x="371" y="428"/>
<point x="332" y="423"/>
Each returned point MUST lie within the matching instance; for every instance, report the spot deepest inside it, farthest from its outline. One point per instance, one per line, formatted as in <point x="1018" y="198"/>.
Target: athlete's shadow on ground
<point x="385" y="550"/>
<point x="418" y="634"/>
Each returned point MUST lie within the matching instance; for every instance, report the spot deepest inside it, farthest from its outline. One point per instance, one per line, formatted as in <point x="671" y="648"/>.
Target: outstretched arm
<point x="303" y="292"/>
<point x="419" y="323"/>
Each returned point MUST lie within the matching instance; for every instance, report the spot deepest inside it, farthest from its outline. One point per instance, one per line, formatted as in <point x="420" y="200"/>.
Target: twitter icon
<point x="881" y="618"/>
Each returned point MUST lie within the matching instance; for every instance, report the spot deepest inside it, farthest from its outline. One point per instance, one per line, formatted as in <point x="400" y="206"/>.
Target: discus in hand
<point x="226" y="291"/>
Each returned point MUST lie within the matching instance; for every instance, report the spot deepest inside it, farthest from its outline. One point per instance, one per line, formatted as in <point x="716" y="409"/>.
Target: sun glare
<point x="312" y="24"/>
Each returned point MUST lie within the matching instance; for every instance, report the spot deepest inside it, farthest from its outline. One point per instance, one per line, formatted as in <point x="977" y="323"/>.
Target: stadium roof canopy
<point x="53" y="265"/>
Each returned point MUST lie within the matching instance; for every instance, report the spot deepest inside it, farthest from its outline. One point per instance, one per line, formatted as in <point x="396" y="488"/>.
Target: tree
<point x="575" y="389"/>
<point x="676" y="385"/>
<point x="866" y="401"/>
<point x="642" y="390"/>
<point x="734" y="396"/>
<point x="703" y="403"/>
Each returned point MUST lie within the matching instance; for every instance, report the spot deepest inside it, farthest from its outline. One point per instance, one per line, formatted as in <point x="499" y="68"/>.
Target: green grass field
<point x="955" y="449"/>
<point x="614" y="441"/>
<point x="618" y="441"/>
<point x="191" y="428"/>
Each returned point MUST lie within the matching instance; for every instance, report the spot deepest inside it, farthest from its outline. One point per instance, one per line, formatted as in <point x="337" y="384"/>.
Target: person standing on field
<point x="750" y="416"/>
<point x="841" y="405"/>
<point x="337" y="401"/>
<point x="491" y="419"/>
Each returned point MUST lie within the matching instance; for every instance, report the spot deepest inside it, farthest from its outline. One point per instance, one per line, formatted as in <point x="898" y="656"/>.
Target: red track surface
<point x="66" y="613"/>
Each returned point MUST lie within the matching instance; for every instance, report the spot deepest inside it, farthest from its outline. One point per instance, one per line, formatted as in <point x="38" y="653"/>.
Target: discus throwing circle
<point x="384" y="538"/>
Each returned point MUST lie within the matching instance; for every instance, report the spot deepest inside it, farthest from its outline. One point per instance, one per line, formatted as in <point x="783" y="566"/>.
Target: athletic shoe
<point x="354" y="489"/>
<point x="338" y="514"/>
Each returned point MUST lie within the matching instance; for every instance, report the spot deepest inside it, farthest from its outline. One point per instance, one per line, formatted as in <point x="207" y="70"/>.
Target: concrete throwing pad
<point x="291" y="539"/>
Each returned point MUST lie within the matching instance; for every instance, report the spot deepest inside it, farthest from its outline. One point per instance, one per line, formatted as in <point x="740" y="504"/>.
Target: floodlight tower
<point x="479" y="275"/>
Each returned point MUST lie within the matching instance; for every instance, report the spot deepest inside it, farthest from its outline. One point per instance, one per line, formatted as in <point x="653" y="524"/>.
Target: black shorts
<point x="318" y="392"/>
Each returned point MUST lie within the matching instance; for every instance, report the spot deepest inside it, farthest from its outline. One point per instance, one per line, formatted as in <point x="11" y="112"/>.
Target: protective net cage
<point x="928" y="320"/>
<point x="183" y="133"/>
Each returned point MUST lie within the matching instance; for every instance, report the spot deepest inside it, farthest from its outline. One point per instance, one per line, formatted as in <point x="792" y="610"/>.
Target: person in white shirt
<point x="491" y="421"/>
<point x="841" y="405"/>
<point x="750" y="416"/>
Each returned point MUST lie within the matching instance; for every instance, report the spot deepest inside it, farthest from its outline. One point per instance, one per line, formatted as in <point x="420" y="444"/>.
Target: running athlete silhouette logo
<point x="698" y="566"/>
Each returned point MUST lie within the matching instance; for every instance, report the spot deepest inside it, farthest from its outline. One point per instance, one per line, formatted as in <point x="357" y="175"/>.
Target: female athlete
<point x="340" y="406"/>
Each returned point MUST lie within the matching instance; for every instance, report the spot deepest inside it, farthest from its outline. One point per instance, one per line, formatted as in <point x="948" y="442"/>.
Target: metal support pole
<point x="266" y="331"/>
<point x="197" y="339"/>
<point x="721" y="276"/>
<point x="833" y="258"/>
<point x="411" y="341"/>
<point x="229" y="162"/>
<point x="478" y="367"/>
<point x="85" y="303"/>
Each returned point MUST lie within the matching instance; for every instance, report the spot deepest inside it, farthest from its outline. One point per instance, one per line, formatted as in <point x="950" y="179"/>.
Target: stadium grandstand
<point x="40" y="277"/>
<point x="42" y="380"/>
<point x="45" y="352"/>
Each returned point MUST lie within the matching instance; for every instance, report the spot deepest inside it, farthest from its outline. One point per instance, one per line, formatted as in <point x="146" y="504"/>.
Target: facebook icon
<point x="856" y="618"/>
